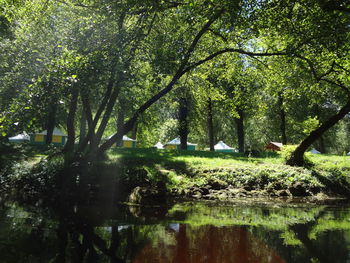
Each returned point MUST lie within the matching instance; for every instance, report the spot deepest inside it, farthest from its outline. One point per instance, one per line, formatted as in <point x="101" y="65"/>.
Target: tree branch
<point x="235" y="50"/>
<point x="179" y="73"/>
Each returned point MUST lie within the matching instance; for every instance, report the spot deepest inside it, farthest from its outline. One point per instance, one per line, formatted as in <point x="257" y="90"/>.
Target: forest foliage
<point x="272" y="71"/>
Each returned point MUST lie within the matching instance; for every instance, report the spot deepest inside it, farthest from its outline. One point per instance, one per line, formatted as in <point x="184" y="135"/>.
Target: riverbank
<point x="150" y="177"/>
<point x="227" y="176"/>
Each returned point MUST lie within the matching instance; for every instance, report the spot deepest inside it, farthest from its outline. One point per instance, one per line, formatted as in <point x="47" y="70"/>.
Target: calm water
<point x="184" y="233"/>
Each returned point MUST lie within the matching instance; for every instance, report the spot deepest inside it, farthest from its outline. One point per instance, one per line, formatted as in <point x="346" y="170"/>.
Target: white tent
<point x="223" y="147"/>
<point x="177" y="141"/>
<point x="56" y="132"/>
<point x="20" y="137"/>
<point x="125" y="138"/>
<point x="314" y="151"/>
<point x="348" y="153"/>
<point x="175" y="144"/>
<point x="159" y="145"/>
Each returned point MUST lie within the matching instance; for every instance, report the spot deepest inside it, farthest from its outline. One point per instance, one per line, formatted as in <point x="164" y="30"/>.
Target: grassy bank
<point x="210" y="175"/>
<point x="132" y="174"/>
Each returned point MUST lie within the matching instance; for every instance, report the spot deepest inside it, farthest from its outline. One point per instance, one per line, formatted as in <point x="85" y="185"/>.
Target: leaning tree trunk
<point x="210" y="125"/>
<point x="297" y="157"/>
<point x="240" y="130"/>
<point x="183" y="124"/>
<point x="282" y="114"/>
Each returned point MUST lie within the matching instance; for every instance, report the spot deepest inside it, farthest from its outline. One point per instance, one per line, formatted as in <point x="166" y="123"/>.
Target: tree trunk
<point x="51" y="122"/>
<point x="183" y="69"/>
<point x="82" y="129"/>
<point x="322" y="146"/>
<point x="120" y="123"/>
<point x="240" y="130"/>
<point x="210" y="125"/>
<point x="183" y="123"/>
<point x="297" y="157"/>
<point x="134" y="131"/>
<point x="69" y="147"/>
<point x="320" y="142"/>
<point x="282" y="114"/>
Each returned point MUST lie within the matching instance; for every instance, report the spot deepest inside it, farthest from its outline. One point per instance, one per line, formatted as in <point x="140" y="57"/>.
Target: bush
<point x="287" y="152"/>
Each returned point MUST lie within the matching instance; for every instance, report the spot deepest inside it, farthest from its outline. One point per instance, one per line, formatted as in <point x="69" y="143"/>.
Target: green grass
<point x="206" y="159"/>
<point x="186" y="169"/>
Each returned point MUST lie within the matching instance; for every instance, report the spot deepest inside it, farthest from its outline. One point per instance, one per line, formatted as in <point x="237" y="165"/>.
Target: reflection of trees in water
<point x="209" y="244"/>
<point x="79" y="236"/>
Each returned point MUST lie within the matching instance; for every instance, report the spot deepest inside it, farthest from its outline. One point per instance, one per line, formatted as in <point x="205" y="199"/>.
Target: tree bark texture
<point x="120" y="123"/>
<point x="297" y="157"/>
<point x="70" y="121"/>
<point x="83" y="127"/>
<point x="210" y="125"/>
<point x="51" y="122"/>
<point x="320" y="142"/>
<point x="240" y="130"/>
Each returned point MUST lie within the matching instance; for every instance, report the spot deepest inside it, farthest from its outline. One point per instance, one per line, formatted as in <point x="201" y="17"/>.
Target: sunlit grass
<point x="203" y="159"/>
<point x="206" y="159"/>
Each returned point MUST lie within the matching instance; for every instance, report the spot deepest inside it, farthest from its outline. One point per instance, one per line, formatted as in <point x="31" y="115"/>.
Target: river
<point x="185" y="232"/>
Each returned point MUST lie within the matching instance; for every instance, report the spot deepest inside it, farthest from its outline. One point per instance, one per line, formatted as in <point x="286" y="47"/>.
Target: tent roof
<point x="125" y="138"/>
<point x="56" y="132"/>
<point x="177" y="141"/>
<point x="221" y="146"/>
<point x="21" y="136"/>
<point x="159" y="145"/>
<point x="278" y="144"/>
<point x="313" y="150"/>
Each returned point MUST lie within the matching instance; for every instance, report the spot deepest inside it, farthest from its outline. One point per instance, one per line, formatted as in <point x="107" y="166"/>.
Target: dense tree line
<point x="243" y="71"/>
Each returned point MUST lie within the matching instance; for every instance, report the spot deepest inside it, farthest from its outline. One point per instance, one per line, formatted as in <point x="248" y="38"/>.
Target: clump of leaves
<point x="28" y="180"/>
<point x="9" y="155"/>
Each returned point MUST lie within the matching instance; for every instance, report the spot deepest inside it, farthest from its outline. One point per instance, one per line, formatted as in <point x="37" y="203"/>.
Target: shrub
<point x="287" y="152"/>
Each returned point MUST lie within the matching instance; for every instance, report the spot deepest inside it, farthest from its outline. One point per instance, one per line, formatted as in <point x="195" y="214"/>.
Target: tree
<point x="316" y="40"/>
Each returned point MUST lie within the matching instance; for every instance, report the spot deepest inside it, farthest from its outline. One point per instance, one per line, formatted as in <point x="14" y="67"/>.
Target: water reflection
<point x="184" y="233"/>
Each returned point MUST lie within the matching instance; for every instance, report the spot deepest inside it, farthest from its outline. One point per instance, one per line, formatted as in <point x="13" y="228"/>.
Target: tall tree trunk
<point x="210" y="125"/>
<point x="297" y="157"/>
<point x="282" y="114"/>
<point x="83" y="127"/>
<point x="51" y="122"/>
<point x="69" y="147"/>
<point x="183" y="124"/>
<point x="322" y="145"/>
<point x="320" y="142"/>
<point x="120" y="123"/>
<point x="240" y="130"/>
